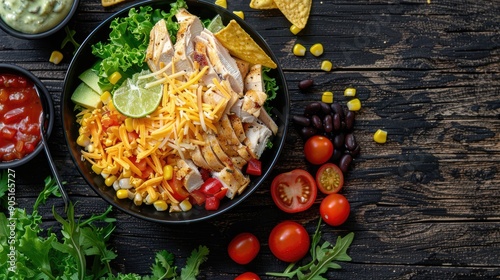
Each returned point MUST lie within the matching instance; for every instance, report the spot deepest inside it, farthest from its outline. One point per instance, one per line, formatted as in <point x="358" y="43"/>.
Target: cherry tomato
<point x="179" y="192"/>
<point x="329" y="178"/>
<point x="247" y="276"/>
<point x="318" y="149"/>
<point x="289" y="241"/>
<point x="294" y="191"/>
<point x="254" y="167"/>
<point x="334" y="209"/>
<point x="211" y="186"/>
<point x="243" y="248"/>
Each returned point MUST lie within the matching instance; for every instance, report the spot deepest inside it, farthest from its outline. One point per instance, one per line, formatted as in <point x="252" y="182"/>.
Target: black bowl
<point x="83" y="60"/>
<point x="22" y="35"/>
<point x="47" y="105"/>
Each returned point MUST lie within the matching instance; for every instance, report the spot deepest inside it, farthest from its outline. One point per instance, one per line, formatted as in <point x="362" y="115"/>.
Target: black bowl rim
<point x="258" y="181"/>
<point x="44" y="93"/>
<point x="11" y="31"/>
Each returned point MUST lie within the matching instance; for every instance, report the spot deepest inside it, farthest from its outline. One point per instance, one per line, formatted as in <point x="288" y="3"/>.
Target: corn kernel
<point x="56" y="57"/>
<point x="222" y="3"/>
<point x="316" y="49"/>
<point x="326" y="65"/>
<point x="168" y="172"/>
<point x="122" y="194"/>
<point x="350" y="91"/>
<point x="96" y="169"/>
<point x="126" y="173"/>
<point x="354" y="104"/>
<point x="299" y="50"/>
<point x="138" y="199"/>
<point x="380" y="136"/>
<point x="106" y="97"/>
<point x="111" y="107"/>
<point x="90" y="148"/>
<point x="185" y="205"/>
<point x="110" y="180"/>
<point x="160" y="205"/>
<point x="83" y="140"/>
<point x="327" y="97"/>
<point x="240" y="14"/>
<point x="129" y="124"/>
<point x="294" y="29"/>
<point x="115" y="77"/>
<point x="136" y="182"/>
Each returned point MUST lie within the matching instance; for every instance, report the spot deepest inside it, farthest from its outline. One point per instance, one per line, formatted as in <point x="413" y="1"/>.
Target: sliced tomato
<point x="179" y="192"/>
<point x="329" y="178"/>
<point x="254" y="167"/>
<point x="212" y="203"/>
<point x="211" y="186"/>
<point x="221" y="194"/>
<point x="294" y="191"/>
<point x="197" y="197"/>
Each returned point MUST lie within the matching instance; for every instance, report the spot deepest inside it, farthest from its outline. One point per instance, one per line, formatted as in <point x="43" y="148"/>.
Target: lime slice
<point x="133" y="100"/>
<point x="216" y="24"/>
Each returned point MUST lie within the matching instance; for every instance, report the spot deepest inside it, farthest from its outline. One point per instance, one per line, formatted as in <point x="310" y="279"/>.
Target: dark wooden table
<point x="425" y="205"/>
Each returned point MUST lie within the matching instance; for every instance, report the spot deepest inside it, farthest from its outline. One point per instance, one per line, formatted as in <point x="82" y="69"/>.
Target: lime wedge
<point x="133" y="100"/>
<point x="216" y="24"/>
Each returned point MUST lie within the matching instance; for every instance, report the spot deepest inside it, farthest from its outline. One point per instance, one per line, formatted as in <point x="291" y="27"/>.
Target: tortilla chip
<point x="263" y="4"/>
<point x="239" y="44"/>
<point x="296" y="11"/>
<point x="108" y="3"/>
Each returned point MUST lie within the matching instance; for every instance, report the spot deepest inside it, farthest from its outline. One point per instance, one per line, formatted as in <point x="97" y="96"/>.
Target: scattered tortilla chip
<point x="107" y="3"/>
<point x="296" y="11"/>
<point x="263" y="4"/>
<point x="239" y="44"/>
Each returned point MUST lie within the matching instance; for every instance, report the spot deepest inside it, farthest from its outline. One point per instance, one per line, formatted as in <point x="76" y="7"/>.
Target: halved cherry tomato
<point x="243" y="248"/>
<point x="329" y="178"/>
<point x="289" y="241"/>
<point x="254" y="167"/>
<point x="212" y="203"/>
<point x="247" y="276"/>
<point x="318" y="149"/>
<point x="211" y="186"/>
<point x="334" y="209"/>
<point x="294" y="191"/>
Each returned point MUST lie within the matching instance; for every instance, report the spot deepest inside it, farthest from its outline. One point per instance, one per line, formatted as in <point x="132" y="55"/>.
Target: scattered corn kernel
<point x="122" y="194"/>
<point x="129" y="124"/>
<point x="240" y="14"/>
<point x="222" y="3"/>
<point x="316" y="49"/>
<point x="106" y="97"/>
<point x="96" y="169"/>
<point x="326" y="65"/>
<point x="299" y="50"/>
<point x="168" y="172"/>
<point x="380" y="136"/>
<point x="115" y="77"/>
<point x="294" y="29"/>
<point x="327" y="97"/>
<point x="56" y="57"/>
<point x="110" y="180"/>
<point x="160" y="205"/>
<point x="83" y="140"/>
<point x="350" y="91"/>
<point x="185" y="205"/>
<point x="354" y="104"/>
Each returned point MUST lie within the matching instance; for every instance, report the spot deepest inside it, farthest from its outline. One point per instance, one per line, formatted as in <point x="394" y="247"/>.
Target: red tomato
<point x="254" y="167"/>
<point x="318" y="149"/>
<point x="132" y="136"/>
<point x="294" y="191"/>
<point x="221" y="194"/>
<point x="211" y="186"/>
<point x="334" y="209"/>
<point x="205" y="174"/>
<point x="243" y="248"/>
<point x="329" y="178"/>
<point x="197" y="197"/>
<point x="289" y="241"/>
<point x="179" y="192"/>
<point x="212" y="203"/>
<point x="147" y="172"/>
<point x="247" y="276"/>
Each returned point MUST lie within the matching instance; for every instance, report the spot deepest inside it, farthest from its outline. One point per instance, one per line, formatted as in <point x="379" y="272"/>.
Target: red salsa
<point x="20" y="111"/>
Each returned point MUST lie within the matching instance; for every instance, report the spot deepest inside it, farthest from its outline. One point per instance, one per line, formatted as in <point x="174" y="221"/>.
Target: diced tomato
<point x="8" y="133"/>
<point x="212" y="203"/>
<point x="211" y="186"/>
<point x="179" y="192"/>
<point x="142" y="164"/>
<point x="254" y="167"/>
<point x="147" y="172"/>
<point x="221" y="194"/>
<point x="197" y="197"/>
<point x="29" y="147"/>
<point x="205" y="174"/>
<point x="132" y="136"/>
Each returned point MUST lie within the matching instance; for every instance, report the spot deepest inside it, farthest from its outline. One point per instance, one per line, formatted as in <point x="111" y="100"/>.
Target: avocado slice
<point x="86" y="97"/>
<point x="90" y="78"/>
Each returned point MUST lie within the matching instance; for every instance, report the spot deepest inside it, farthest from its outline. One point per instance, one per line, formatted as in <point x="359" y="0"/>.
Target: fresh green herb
<point x="322" y="258"/>
<point x="70" y="39"/>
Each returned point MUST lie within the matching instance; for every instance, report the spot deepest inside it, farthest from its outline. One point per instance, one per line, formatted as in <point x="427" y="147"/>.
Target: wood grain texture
<point x="425" y="205"/>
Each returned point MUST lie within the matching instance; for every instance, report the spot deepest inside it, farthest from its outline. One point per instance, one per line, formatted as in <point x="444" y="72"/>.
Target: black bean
<point x="336" y="122"/>
<point x="316" y="122"/>
<point x="308" y="131"/>
<point x="305" y="84"/>
<point x="339" y="141"/>
<point x="350" y="142"/>
<point x="345" y="162"/>
<point x="301" y="120"/>
<point x="349" y="120"/>
<point x="337" y="108"/>
<point x="312" y="108"/>
<point x="337" y="153"/>
<point x="356" y="151"/>
<point x="325" y="108"/>
<point x="328" y="123"/>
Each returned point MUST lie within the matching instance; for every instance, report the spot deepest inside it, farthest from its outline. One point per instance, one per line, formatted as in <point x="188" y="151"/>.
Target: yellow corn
<point x="138" y="199"/>
<point x="160" y="205"/>
<point x="316" y="49"/>
<point x="96" y="169"/>
<point x="222" y="3"/>
<point x="185" y="205"/>
<point x="240" y="14"/>
<point x="327" y="97"/>
<point x="106" y="97"/>
<point x="129" y="124"/>
<point x="350" y="91"/>
<point x="111" y="107"/>
<point x="126" y="172"/>
<point x="115" y="77"/>
<point x="354" y="104"/>
<point x="168" y="172"/>
<point x="90" y="148"/>
<point x="380" y="136"/>
<point x="110" y="180"/>
<point x="136" y="182"/>
<point x="83" y="140"/>
<point x="299" y="50"/>
<point x="294" y="29"/>
<point x="110" y="169"/>
<point x="56" y="57"/>
<point x="326" y="65"/>
<point x="122" y="194"/>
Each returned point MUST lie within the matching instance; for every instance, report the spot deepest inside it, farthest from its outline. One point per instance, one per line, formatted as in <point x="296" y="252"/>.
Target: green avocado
<point x="86" y="97"/>
<point x="90" y="78"/>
